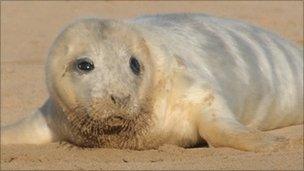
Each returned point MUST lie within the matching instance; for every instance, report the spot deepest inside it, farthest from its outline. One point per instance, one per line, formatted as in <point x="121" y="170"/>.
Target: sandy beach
<point x="27" y="31"/>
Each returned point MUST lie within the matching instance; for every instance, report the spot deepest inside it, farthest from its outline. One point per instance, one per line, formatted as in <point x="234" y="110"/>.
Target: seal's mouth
<point x="99" y="124"/>
<point x="100" y="119"/>
<point x="114" y="124"/>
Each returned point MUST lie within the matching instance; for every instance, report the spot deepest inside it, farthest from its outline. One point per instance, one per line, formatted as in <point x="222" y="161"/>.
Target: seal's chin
<point x="99" y="124"/>
<point x="101" y="118"/>
<point x="90" y="129"/>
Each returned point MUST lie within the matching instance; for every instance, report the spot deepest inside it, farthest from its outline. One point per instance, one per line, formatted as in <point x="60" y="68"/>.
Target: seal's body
<point x="257" y="74"/>
<point x="174" y="78"/>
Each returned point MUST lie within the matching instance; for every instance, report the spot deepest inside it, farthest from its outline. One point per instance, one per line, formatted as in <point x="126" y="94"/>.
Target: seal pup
<point x="173" y="78"/>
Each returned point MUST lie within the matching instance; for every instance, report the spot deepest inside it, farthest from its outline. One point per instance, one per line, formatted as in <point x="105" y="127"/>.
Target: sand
<point x="27" y="31"/>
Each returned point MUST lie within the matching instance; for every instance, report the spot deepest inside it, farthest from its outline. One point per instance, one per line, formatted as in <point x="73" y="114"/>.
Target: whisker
<point x="102" y="124"/>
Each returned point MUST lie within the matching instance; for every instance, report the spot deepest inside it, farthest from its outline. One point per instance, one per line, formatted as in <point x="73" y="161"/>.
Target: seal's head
<point x="99" y="73"/>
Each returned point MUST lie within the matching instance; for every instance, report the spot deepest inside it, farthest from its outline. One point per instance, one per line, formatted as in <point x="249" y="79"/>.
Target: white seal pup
<point x="173" y="78"/>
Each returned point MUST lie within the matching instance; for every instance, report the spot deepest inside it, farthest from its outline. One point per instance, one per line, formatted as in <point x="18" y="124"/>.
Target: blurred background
<point x="27" y="31"/>
<point x="37" y="23"/>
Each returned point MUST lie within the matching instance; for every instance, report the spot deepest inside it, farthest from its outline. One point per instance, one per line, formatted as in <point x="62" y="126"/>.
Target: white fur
<point x="256" y="74"/>
<point x="237" y="57"/>
<point x="217" y="79"/>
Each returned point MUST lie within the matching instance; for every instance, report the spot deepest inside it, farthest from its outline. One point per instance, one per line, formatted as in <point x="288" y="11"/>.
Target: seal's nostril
<point x="113" y="99"/>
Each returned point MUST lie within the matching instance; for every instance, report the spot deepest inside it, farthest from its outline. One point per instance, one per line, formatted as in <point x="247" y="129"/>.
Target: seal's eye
<point x="134" y="65"/>
<point x="84" y="65"/>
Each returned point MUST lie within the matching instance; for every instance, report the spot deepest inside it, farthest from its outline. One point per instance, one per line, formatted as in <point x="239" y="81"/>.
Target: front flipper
<point x="34" y="129"/>
<point x="220" y="129"/>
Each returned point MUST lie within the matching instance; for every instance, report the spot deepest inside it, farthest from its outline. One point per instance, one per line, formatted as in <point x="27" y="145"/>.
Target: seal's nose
<point x="123" y="101"/>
